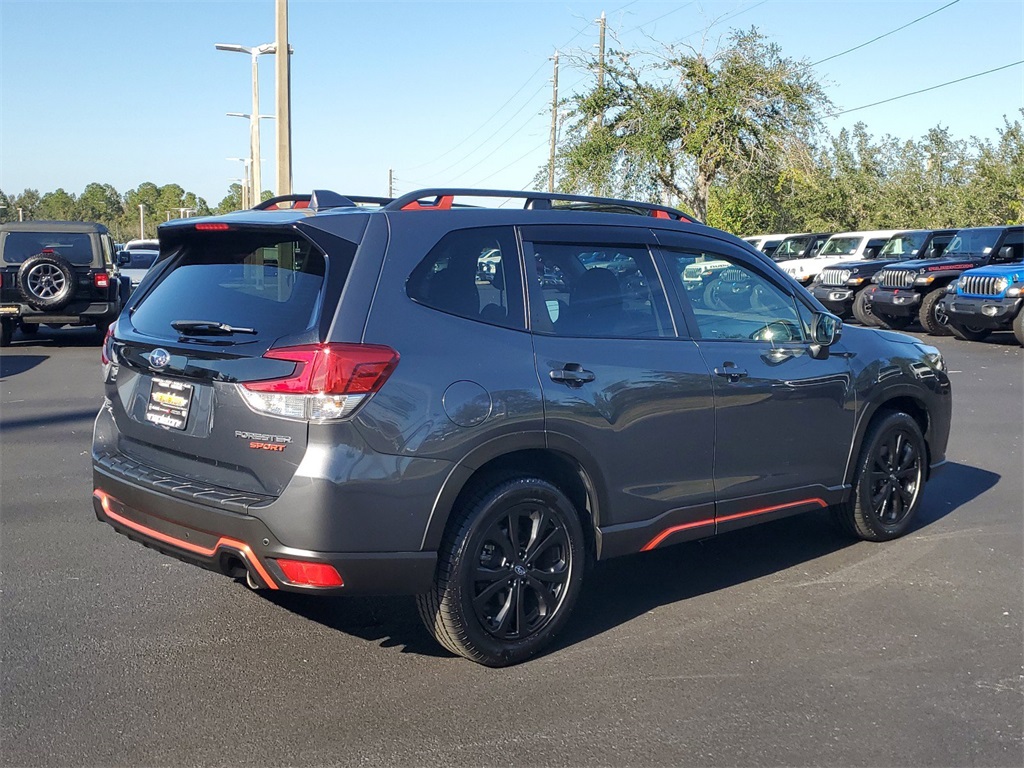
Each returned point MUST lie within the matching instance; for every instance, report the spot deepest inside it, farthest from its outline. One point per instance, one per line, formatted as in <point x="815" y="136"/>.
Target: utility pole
<point x="600" y="53"/>
<point x="391" y="182"/>
<point x="554" y="127"/>
<point x="142" y="221"/>
<point x="283" y="70"/>
<point x="21" y="214"/>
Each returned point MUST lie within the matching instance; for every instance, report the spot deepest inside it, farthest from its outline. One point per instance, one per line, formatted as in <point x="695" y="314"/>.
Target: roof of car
<point x="54" y="226"/>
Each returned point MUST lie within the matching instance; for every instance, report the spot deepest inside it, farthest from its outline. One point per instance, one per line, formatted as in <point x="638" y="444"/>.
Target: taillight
<point x="101" y="280"/>
<point x="107" y="349"/>
<point x="329" y="380"/>
<point x="212" y="226"/>
<point x="311" y="574"/>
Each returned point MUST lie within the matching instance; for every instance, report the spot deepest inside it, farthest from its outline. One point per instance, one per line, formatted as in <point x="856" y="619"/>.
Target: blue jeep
<point x="983" y="300"/>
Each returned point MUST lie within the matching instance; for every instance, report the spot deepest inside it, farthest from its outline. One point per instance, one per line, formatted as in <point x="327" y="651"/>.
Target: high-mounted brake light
<point x="212" y="226"/>
<point x="101" y="280"/>
<point x="329" y="380"/>
<point x="311" y="574"/>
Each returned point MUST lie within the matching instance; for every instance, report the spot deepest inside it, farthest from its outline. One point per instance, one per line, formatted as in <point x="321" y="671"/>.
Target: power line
<point x="657" y="18"/>
<point x="891" y="32"/>
<point x="925" y="90"/>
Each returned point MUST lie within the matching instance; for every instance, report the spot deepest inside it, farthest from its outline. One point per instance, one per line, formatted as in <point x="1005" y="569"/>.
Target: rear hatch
<point x="220" y="299"/>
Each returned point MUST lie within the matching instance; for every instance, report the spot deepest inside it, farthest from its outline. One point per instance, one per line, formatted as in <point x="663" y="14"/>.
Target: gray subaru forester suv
<point x="472" y="404"/>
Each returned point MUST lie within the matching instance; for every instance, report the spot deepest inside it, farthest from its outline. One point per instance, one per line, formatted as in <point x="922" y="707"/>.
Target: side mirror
<point x="825" y="331"/>
<point x="1006" y="253"/>
<point x="123" y="258"/>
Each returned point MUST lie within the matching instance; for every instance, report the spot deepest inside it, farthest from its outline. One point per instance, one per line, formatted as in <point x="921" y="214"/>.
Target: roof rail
<point x="443" y="200"/>
<point x="319" y="200"/>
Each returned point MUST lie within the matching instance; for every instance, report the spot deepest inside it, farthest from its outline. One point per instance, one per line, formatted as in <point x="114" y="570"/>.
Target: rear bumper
<point x="235" y="543"/>
<point x="982" y="313"/>
<point x="898" y="301"/>
<point x="78" y="312"/>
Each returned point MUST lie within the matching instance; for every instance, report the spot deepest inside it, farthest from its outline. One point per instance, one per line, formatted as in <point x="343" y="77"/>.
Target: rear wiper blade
<point x="208" y="328"/>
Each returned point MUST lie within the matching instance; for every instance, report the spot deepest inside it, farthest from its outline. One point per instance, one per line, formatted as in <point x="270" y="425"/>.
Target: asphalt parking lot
<point x="782" y="644"/>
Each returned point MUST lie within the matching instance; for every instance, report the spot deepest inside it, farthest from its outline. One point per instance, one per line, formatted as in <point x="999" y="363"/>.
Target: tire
<point x="892" y="322"/>
<point x="483" y="575"/>
<point x="862" y="310"/>
<point x="29" y="329"/>
<point x="926" y="315"/>
<point x="1018" y="327"/>
<point x="889" y="481"/>
<point x="46" y="281"/>
<point x="6" y="332"/>
<point x="967" y="332"/>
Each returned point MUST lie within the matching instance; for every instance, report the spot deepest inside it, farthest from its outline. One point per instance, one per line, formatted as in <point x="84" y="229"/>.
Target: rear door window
<point x="472" y="273"/>
<point x="270" y="282"/>
<point x="597" y="289"/>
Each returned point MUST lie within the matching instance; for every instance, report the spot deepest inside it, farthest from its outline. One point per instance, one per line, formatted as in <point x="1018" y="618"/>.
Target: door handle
<point x="730" y="372"/>
<point x="572" y="374"/>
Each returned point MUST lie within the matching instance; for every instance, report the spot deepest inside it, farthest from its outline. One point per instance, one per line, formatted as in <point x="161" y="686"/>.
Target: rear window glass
<point x="76" y="248"/>
<point x="141" y="259"/>
<point x="270" y="282"/>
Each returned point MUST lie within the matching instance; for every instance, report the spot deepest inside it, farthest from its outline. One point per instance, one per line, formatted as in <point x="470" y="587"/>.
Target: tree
<point x="668" y="126"/>
<point x="100" y="202"/>
<point x="232" y="201"/>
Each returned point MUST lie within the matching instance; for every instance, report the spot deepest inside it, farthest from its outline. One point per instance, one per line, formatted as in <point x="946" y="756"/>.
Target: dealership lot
<point x="780" y="644"/>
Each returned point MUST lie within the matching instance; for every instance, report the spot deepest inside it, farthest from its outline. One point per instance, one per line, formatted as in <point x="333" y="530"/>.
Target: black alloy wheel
<point x="890" y="479"/>
<point x="862" y="310"/>
<point x="929" y="316"/>
<point x="508" y="574"/>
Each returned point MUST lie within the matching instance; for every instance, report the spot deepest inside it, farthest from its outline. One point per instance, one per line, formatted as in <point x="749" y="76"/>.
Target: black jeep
<point x="842" y="288"/>
<point x="58" y="273"/>
<point x="915" y="288"/>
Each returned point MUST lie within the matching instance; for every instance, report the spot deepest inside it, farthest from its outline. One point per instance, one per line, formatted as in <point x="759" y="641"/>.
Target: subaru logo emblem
<point x="519" y="570"/>
<point x="159" y="357"/>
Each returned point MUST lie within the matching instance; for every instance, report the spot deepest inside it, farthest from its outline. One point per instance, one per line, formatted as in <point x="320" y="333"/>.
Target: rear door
<point x="222" y="301"/>
<point x="622" y="389"/>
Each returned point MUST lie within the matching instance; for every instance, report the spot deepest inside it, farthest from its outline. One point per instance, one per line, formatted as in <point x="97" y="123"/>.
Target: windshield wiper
<point x="208" y="328"/>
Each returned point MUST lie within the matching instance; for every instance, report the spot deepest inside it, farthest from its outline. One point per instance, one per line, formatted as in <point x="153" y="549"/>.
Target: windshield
<point x="141" y="259"/>
<point x="790" y="249"/>
<point x="74" y="247"/>
<point x="905" y="245"/>
<point x="841" y="246"/>
<point x="973" y="241"/>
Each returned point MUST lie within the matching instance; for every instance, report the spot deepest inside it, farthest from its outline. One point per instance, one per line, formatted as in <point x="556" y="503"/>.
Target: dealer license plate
<point x="168" y="403"/>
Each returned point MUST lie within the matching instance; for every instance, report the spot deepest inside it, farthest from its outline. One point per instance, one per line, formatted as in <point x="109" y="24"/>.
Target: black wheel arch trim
<point x="880" y="403"/>
<point x="506" y="445"/>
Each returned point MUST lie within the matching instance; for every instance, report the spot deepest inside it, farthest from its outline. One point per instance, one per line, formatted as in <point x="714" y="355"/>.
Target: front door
<point x="784" y="411"/>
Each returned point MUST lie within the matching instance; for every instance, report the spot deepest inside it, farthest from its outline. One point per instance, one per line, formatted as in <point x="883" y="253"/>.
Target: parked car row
<point x="963" y="282"/>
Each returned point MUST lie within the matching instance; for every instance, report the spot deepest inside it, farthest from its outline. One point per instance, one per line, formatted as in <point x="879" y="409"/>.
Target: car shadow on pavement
<point x="622" y="589"/>
<point x="12" y="365"/>
<point x="393" y="622"/>
<point x="617" y="591"/>
<point x="62" y="337"/>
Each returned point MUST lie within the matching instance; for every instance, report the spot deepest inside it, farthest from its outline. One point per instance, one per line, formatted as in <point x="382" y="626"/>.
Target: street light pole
<point x="142" y="221"/>
<point x="254" y="118"/>
<point x="245" y="182"/>
<point x="283" y="104"/>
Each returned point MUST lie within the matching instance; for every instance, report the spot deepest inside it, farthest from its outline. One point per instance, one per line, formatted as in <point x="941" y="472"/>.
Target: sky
<point x="443" y="93"/>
